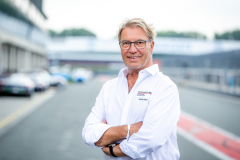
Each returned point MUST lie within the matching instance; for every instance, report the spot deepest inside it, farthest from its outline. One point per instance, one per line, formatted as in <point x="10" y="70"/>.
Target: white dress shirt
<point x="154" y="100"/>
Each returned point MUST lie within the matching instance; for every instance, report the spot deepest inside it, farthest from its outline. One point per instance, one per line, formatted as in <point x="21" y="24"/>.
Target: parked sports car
<point x="18" y="84"/>
<point x="57" y="80"/>
<point x="40" y="77"/>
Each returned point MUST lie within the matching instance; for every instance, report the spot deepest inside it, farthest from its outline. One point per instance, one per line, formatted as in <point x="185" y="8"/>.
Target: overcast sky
<point x="103" y="17"/>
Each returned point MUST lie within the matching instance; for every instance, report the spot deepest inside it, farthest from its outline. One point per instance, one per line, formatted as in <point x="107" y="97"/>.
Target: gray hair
<point x="140" y="23"/>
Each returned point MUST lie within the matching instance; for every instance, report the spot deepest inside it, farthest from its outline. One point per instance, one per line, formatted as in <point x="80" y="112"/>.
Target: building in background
<point x="194" y="62"/>
<point x="102" y="56"/>
<point x="171" y="52"/>
<point x="22" y="35"/>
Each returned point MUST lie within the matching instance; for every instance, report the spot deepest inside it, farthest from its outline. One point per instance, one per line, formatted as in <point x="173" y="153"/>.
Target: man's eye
<point x="124" y="43"/>
<point x="139" y="42"/>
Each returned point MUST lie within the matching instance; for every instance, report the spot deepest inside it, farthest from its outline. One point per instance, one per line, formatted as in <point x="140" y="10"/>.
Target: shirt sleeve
<point x="159" y="123"/>
<point x="93" y="128"/>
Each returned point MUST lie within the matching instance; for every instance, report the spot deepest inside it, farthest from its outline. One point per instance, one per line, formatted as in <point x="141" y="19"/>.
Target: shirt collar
<point x="123" y="72"/>
<point x="153" y="69"/>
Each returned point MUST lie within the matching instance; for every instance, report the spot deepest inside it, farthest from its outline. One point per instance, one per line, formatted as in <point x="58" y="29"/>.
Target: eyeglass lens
<point x="138" y="44"/>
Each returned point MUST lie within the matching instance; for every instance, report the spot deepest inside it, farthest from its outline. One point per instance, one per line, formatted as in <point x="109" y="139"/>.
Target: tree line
<point x="181" y="34"/>
<point x="229" y="35"/>
<point x="72" y="32"/>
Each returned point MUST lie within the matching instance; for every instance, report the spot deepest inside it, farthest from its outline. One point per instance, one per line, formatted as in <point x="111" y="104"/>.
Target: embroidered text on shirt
<point x="144" y="93"/>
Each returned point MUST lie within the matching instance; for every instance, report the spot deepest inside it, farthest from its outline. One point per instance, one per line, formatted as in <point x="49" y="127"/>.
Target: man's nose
<point x="132" y="48"/>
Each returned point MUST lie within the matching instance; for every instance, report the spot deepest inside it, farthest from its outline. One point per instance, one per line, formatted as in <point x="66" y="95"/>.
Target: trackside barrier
<point x="221" y="80"/>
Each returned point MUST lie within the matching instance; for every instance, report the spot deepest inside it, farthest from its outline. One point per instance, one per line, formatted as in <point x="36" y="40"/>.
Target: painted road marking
<point x="216" y="141"/>
<point x="202" y="145"/>
<point x="26" y="109"/>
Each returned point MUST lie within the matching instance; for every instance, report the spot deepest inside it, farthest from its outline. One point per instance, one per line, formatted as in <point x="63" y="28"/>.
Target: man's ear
<point x="152" y="46"/>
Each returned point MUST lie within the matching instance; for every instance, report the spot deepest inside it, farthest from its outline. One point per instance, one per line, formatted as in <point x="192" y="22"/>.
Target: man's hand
<point x="114" y="134"/>
<point x="134" y="128"/>
<point x="116" y="150"/>
<point x="106" y="151"/>
<point x="104" y="121"/>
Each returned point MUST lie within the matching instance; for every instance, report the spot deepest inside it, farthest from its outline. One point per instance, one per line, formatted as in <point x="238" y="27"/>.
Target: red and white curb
<point x="212" y="139"/>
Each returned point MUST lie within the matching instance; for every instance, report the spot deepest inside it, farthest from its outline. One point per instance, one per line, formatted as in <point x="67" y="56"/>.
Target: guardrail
<point x="221" y="80"/>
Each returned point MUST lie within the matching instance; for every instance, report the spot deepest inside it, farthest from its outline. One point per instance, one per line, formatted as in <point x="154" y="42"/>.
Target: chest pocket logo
<point x="143" y="95"/>
<point x="139" y="105"/>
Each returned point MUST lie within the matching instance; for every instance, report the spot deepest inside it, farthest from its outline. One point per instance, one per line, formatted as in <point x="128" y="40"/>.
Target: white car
<point x="81" y="75"/>
<point x="58" y="80"/>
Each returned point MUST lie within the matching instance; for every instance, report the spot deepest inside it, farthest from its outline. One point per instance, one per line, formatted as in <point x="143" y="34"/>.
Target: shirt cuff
<point x="129" y="149"/>
<point x="95" y="134"/>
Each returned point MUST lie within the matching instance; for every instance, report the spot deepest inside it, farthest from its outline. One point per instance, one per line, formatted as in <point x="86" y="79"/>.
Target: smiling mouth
<point x="133" y="57"/>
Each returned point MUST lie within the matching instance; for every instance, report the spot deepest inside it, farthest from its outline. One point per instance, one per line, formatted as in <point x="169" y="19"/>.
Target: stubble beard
<point x="140" y="66"/>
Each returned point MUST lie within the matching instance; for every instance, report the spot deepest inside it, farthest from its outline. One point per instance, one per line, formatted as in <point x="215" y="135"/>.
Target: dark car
<point x="17" y="84"/>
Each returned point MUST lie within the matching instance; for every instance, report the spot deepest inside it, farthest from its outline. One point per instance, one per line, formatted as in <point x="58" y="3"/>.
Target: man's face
<point x="136" y="59"/>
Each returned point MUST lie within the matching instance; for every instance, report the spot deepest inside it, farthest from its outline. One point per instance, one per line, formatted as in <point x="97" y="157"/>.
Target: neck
<point x="134" y="72"/>
<point x="132" y="78"/>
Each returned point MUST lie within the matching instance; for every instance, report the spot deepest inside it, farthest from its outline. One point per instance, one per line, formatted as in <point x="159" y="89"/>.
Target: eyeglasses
<point x="140" y="44"/>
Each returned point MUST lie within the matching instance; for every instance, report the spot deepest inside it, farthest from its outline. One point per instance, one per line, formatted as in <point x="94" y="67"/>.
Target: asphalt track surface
<point x="53" y="130"/>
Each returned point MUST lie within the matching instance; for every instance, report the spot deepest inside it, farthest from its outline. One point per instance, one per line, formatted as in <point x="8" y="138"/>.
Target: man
<point x="137" y="111"/>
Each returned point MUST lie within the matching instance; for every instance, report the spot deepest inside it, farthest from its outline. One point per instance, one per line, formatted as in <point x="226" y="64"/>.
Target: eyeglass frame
<point x="134" y="44"/>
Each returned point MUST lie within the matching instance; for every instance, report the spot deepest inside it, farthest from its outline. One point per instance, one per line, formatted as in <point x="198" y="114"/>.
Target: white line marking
<point x="213" y="127"/>
<point x="14" y="118"/>
<point x="203" y="145"/>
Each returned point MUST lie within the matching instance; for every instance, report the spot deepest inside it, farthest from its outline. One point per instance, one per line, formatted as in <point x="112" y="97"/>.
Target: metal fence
<point x="222" y="80"/>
